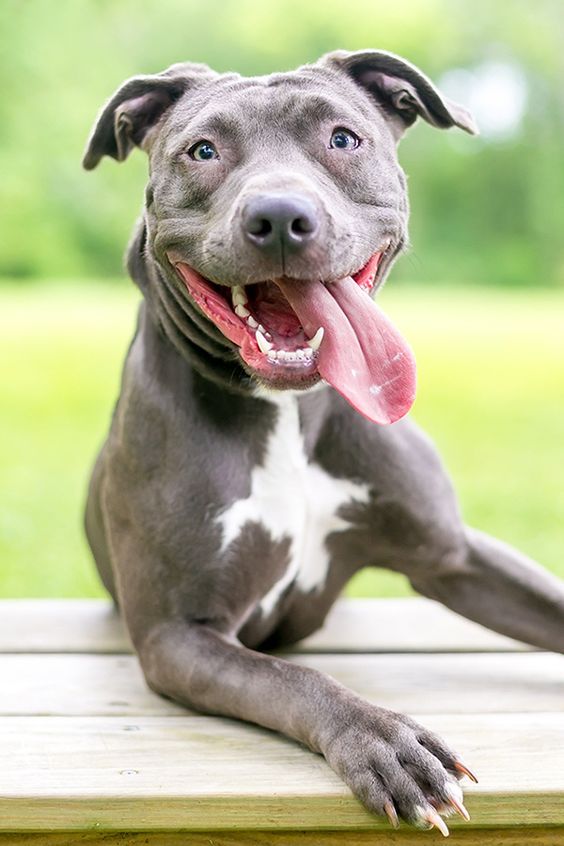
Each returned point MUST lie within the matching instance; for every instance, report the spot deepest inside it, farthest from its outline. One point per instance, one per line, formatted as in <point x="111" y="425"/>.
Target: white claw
<point x="314" y="343"/>
<point x="429" y="816"/>
<point x="264" y="345"/>
<point x="238" y="295"/>
<point x="439" y="823"/>
<point x="241" y="311"/>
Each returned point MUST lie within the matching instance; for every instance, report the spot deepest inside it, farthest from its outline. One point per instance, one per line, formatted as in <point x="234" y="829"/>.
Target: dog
<point x="251" y="467"/>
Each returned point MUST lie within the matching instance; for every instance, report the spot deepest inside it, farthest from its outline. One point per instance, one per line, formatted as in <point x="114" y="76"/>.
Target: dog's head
<point x="275" y="207"/>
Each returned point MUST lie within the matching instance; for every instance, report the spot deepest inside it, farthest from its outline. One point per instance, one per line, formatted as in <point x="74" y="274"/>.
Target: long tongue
<point x="362" y="355"/>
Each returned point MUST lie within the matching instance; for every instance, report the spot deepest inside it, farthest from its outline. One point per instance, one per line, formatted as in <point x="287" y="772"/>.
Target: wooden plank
<point x="353" y="625"/>
<point x="212" y="774"/>
<point x="402" y="625"/>
<point x="470" y="836"/>
<point x="61" y="625"/>
<point x="78" y="685"/>
<point x="102" y="685"/>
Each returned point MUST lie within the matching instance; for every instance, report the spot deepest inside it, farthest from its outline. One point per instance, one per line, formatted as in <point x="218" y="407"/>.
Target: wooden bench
<point x="89" y="755"/>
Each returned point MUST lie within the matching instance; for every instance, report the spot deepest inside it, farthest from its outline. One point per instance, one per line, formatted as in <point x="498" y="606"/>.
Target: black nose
<point x="275" y="221"/>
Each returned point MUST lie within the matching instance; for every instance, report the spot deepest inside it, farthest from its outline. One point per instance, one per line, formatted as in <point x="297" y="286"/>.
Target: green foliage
<point x="485" y="210"/>
<point x="490" y="395"/>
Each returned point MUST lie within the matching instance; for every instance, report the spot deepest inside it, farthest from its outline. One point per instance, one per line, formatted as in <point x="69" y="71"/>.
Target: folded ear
<point x="136" y="108"/>
<point x="401" y="89"/>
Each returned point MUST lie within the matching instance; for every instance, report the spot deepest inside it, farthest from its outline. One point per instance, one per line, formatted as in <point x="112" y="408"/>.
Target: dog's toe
<point x="399" y="770"/>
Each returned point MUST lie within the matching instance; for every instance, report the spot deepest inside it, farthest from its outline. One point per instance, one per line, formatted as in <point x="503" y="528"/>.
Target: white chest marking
<point x="292" y="498"/>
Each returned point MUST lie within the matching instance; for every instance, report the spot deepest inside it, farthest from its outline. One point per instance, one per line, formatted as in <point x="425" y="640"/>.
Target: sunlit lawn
<point x="491" y="394"/>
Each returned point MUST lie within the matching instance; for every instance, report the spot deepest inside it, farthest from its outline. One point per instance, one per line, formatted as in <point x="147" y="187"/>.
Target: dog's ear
<point x="136" y="108"/>
<point x="401" y="89"/>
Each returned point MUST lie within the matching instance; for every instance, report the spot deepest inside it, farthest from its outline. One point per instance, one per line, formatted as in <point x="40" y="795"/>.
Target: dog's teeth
<point x="252" y="322"/>
<point x="304" y="354"/>
<point x="241" y="311"/>
<point x="238" y="295"/>
<point x="315" y="342"/>
<point x="264" y="345"/>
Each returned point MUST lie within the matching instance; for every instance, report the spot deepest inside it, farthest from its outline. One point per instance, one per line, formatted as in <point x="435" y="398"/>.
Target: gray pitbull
<point x="244" y="479"/>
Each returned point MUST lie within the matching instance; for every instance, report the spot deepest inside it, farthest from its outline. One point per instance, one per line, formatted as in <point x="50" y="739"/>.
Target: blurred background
<point x="480" y="295"/>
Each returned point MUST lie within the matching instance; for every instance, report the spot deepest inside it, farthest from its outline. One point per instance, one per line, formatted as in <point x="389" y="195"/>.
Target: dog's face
<point x="278" y="203"/>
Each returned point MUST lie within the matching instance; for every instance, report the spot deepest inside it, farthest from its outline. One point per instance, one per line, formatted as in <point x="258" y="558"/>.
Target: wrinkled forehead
<point x="293" y="103"/>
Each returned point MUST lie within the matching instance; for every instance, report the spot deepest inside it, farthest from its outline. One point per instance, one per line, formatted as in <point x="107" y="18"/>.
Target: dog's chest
<point x="296" y="499"/>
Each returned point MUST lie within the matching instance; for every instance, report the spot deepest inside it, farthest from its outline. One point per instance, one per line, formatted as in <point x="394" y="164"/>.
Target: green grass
<point x="491" y="395"/>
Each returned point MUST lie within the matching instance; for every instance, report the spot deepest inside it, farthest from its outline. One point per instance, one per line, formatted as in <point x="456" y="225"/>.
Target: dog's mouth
<point x="291" y="332"/>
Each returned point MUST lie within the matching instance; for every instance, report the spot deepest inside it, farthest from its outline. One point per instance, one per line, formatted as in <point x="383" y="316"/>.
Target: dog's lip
<point x="214" y="300"/>
<point x="362" y="274"/>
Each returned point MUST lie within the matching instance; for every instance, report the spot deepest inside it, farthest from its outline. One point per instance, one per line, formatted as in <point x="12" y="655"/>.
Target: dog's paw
<point x="398" y="769"/>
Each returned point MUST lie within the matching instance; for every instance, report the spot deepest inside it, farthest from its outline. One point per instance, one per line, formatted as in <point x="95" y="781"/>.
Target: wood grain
<point x="471" y="836"/>
<point x="353" y="625"/>
<point x="102" y="685"/>
<point x="89" y="755"/>
<point x="202" y="773"/>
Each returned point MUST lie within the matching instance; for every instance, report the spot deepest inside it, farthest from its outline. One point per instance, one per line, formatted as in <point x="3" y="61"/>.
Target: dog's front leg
<point x="497" y="586"/>
<point x="392" y="764"/>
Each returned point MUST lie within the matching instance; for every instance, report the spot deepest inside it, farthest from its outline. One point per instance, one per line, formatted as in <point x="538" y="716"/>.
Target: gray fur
<point x="190" y="426"/>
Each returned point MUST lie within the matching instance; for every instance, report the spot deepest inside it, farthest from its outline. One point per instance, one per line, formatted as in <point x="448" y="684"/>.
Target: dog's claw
<point x="460" y="809"/>
<point x="459" y="766"/>
<point x="391" y="814"/>
<point x="435" y="821"/>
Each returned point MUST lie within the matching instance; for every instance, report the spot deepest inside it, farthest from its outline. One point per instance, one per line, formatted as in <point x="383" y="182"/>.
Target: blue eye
<point x="344" y="139"/>
<point x="203" y="151"/>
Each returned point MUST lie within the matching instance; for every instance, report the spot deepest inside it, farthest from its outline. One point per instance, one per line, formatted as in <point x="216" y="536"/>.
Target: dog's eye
<point x="344" y="139"/>
<point x="203" y="151"/>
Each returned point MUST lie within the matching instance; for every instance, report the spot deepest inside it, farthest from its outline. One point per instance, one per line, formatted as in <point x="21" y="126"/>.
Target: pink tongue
<point x="362" y="355"/>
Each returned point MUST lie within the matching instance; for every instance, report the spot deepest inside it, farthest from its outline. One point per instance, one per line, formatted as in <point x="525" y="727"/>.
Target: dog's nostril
<point x="275" y="221"/>
<point x="302" y="226"/>
<point x="260" y="227"/>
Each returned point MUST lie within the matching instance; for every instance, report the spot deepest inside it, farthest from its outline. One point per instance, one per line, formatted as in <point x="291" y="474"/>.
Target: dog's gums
<point x="292" y="332"/>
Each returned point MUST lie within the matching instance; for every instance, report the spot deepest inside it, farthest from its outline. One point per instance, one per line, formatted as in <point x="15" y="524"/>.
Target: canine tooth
<point x="241" y="311"/>
<point x="315" y="342"/>
<point x="264" y="345"/>
<point x="252" y="322"/>
<point x="238" y="295"/>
